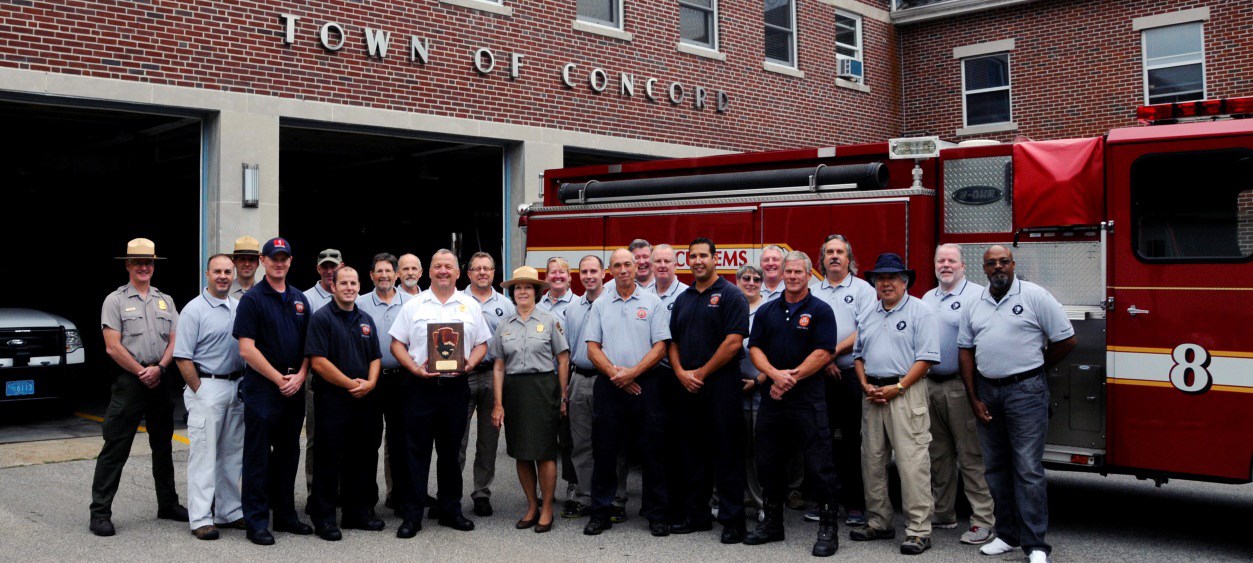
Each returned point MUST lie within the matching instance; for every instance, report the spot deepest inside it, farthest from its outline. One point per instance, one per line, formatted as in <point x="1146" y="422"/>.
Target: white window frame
<point x="618" y="25"/>
<point x="857" y="20"/>
<point x="713" y="26"/>
<point x="795" y="63"/>
<point x="1009" y="87"/>
<point x="1144" y="58"/>
<point x="489" y="6"/>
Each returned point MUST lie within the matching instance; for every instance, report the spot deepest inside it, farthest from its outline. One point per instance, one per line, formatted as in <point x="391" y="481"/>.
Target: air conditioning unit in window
<point x="849" y="69"/>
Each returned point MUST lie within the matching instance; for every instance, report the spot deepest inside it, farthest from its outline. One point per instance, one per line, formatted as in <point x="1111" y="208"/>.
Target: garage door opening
<point x="368" y="193"/>
<point x="77" y="184"/>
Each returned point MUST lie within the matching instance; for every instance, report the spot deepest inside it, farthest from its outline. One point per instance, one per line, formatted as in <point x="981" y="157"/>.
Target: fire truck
<point x="1145" y="235"/>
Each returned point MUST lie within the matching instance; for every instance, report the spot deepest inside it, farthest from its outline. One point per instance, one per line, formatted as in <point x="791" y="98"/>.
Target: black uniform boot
<point x="769" y="529"/>
<point x="828" y="539"/>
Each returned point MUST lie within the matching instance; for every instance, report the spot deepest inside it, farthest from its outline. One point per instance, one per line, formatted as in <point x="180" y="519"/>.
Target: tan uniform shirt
<point x="146" y="325"/>
<point x="529" y="346"/>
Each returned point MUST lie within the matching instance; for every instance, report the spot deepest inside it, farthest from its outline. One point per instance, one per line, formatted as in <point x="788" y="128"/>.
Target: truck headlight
<point x="73" y="341"/>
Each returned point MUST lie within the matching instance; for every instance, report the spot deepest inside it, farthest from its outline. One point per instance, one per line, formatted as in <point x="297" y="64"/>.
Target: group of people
<point x="725" y="392"/>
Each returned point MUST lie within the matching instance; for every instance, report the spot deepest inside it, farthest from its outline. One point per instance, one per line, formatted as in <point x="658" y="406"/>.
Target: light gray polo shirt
<point x="890" y="342"/>
<point x="667" y="305"/>
<point x="576" y="322"/>
<point x="204" y="334"/>
<point x="948" y="311"/>
<point x="769" y="295"/>
<point x="528" y="346"/>
<point x="495" y="309"/>
<point x="384" y="315"/>
<point x="1009" y="337"/>
<point x="627" y="328"/>
<point x="850" y="300"/>
<point x="317" y="298"/>
<point x="557" y="308"/>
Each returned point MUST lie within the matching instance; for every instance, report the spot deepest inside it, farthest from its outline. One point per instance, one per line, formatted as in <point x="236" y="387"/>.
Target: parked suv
<point x="39" y="354"/>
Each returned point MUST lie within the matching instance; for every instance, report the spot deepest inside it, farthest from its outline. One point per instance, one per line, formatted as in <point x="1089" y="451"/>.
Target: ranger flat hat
<point x="526" y="274"/>
<point x="891" y="263"/>
<point x="140" y="249"/>
<point x="247" y="246"/>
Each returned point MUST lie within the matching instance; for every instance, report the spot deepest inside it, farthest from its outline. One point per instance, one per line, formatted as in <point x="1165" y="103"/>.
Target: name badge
<point x="129" y="310"/>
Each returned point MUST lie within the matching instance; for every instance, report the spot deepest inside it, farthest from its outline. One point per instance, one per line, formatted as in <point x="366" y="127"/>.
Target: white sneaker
<point x="1038" y="556"/>
<point x="997" y="547"/>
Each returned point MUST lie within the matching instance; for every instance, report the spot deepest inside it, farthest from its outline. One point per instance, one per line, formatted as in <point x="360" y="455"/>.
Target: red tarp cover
<point x="1059" y="183"/>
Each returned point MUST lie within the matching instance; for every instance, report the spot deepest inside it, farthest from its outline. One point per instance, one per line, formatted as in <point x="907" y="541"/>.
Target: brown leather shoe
<point x="205" y="533"/>
<point x="234" y="525"/>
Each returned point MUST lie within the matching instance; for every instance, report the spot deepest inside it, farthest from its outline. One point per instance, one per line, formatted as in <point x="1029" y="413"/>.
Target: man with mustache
<point x="410" y="269"/>
<point x="1010" y="396"/>
<point x="954" y="442"/>
<point x="850" y="298"/>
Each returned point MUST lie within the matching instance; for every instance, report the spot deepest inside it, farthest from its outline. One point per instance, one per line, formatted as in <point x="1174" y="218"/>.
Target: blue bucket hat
<point x="891" y="263"/>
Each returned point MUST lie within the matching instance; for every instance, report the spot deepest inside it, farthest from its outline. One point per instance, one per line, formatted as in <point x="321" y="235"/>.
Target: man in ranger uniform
<point x="247" y="257"/>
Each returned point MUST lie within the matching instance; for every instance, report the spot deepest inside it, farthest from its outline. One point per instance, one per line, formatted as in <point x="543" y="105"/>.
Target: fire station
<point x="410" y="126"/>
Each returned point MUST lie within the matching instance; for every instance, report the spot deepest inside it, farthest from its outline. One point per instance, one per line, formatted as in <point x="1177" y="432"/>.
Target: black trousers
<point x="272" y="426"/>
<point x="801" y="420"/>
<point x="348" y="433"/>
<point x="618" y="419"/>
<point x="132" y="401"/>
<point x="845" y="399"/>
<point x="708" y="427"/>
<point x="434" y="414"/>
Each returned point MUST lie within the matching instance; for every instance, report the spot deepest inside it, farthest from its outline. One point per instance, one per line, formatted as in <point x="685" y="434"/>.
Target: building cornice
<point x="948" y="9"/>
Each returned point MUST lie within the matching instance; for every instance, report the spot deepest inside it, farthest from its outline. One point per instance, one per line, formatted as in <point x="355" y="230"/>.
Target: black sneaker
<point x="658" y="528"/>
<point x="574" y="509"/>
<point x="618" y="515"/>
<point x="101" y="526"/>
<point x="482" y="507"/>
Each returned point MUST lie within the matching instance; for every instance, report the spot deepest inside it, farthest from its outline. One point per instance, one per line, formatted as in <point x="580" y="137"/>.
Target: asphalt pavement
<point x="43" y="517"/>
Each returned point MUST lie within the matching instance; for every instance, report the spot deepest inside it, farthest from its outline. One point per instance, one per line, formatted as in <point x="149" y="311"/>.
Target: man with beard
<point x="410" y="269"/>
<point x="772" y="272"/>
<point x="708" y="325"/>
<point x="850" y="298"/>
<point x="1007" y="339"/>
<point x="482" y="386"/>
<point x="954" y="441"/>
<point x="271" y="323"/>
<point x="247" y="257"/>
<point x="435" y="405"/>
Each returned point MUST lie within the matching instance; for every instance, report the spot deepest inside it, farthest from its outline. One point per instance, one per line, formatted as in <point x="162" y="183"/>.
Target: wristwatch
<point x="899" y="387"/>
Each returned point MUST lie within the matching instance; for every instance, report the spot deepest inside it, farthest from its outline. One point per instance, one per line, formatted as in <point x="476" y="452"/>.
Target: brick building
<point x="368" y="125"/>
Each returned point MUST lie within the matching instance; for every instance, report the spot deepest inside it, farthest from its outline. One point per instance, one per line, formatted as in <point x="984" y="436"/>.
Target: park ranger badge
<point x="161" y="304"/>
<point x="539" y="328"/>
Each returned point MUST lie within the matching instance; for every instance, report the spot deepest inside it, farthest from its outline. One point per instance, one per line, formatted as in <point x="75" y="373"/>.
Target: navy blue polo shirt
<point x="787" y="333"/>
<point x="277" y="322"/>
<point x="347" y="339"/>
<point x="699" y="322"/>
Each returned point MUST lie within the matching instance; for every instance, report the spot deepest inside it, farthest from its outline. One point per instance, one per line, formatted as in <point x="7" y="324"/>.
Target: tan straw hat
<point x="526" y="274"/>
<point x="247" y="246"/>
<point x="140" y="249"/>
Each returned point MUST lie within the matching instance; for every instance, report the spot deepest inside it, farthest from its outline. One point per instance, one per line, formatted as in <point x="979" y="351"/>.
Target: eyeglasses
<point x="750" y="279"/>
<point x="482" y="269"/>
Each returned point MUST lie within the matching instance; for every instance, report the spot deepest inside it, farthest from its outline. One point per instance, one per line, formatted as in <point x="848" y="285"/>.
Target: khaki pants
<point x="487" y="439"/>
<point x="954" y="445"/>
<point x="900" y="427"/>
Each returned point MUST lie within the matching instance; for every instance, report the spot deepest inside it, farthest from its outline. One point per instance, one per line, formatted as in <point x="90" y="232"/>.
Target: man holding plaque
<point x="437" y="336"/>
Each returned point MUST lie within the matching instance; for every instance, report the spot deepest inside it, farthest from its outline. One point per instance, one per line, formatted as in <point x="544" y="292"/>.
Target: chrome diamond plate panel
<point x="1071" y="271"/>
<point x="997" y="217"/>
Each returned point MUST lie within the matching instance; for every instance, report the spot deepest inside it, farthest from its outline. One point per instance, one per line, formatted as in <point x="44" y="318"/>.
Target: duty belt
<point x="882" y="381"/>
<point x="229" y="376"/>
<point x="1015" y="378"/>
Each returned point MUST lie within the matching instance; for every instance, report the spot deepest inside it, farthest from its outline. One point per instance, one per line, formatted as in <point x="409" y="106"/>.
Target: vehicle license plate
<point x="19" y="388"/>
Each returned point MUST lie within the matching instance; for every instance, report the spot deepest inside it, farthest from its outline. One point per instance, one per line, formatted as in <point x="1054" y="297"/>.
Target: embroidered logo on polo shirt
<point x="848" y="298"/>
<point x="1017" y="309"/>
<point x="365" y="330"/>
<point x="641" y="313"/>
<point x="956" y="305"/>
<point x="670" y="306"/>
<point x="500" y="312"/>
<point x="714" y="299"/>
<point x="901" y="325"/>
<point x="300" y="307"/>
<point x="803" y="321"/>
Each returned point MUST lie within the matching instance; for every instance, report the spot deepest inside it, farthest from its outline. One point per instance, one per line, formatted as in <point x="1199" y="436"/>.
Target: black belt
<point x="585" y="373"/>
<point x="393" y="371"/>
<point x="881" y="381"/>
<point x="229" y="376"/>
<point x="483" y="366"/>
<point x="440" y="381"/>
<point x="1017" y="377"/>
<point x="942" y="377"/>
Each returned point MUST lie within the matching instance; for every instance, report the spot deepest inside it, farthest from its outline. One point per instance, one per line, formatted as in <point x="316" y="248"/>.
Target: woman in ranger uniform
<point x="530" y="398"/>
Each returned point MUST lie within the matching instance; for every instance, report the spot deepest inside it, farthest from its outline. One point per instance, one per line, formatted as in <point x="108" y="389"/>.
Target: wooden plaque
<point x="445" y="347"/>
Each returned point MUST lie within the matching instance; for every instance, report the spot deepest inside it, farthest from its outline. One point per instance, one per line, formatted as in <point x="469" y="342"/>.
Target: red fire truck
<point x="1145" y="235"/>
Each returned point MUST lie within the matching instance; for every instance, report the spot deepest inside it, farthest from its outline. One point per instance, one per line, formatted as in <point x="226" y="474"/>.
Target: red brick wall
<point x="1244" y="221"/>
<point x="237" y="45"/>
<point x="1076" y="68"/>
